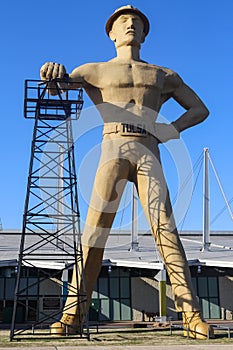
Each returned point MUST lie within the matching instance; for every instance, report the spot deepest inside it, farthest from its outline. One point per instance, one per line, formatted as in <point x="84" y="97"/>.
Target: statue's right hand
<point x="165" y="132"/>
<point x="51" y="70"/>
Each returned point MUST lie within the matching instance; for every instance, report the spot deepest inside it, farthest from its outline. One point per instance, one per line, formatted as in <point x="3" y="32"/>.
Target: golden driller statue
<point x="129" y="93"/>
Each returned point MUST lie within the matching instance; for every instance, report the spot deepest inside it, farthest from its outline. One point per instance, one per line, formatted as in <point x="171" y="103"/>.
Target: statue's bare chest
<point x="130" y="76"/>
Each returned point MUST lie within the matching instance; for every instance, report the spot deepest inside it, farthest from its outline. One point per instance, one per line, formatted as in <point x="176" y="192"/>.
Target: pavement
<point x="136" y="347"/>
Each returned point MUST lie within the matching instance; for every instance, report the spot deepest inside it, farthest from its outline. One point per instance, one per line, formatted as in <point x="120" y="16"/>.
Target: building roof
<point x="118" y="251"/>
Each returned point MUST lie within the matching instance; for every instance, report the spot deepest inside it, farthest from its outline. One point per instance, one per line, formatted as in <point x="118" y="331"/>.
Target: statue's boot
<point x="196" y="327"/>
<point x="68" y="325"/>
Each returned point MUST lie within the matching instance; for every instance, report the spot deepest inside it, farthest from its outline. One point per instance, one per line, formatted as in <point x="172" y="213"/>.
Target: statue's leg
<point x="156" y="204"/>
<point x="107" y="190"/>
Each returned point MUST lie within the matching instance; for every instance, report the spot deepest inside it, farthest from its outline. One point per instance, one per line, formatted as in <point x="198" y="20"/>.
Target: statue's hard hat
<point x="127" y="9"/>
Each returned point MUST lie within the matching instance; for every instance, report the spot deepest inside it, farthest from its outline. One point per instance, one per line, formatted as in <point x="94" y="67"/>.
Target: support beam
<point x="161" y="278"/>
<point x="134" y="234"/>
<point x="60" y="195"/>
<point x="206" y="203"/>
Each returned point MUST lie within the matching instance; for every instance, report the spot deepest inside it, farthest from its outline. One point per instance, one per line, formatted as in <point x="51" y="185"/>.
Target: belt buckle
<point x="128" y="129"/>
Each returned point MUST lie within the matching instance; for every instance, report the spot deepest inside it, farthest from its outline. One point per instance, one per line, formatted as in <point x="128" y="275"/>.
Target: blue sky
<point x="194" y="38"/>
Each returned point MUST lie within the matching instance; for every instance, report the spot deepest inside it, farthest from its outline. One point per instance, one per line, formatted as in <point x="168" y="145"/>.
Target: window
<point x="9" y="288"/>
<point x="208" y="295"/>
<point x="51" y="303"/>
<point x="111" y="299"/>
<point x="2" y="287"/>
<point x="1" y="311"/>
<point x="32" y="310"/>
<point x="27" y="304"/>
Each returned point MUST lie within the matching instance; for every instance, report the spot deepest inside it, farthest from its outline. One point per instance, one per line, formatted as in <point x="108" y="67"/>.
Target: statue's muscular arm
<point x="196" y="111"/>
<point x="87" y="76"/>
<point x="83" y="76"/>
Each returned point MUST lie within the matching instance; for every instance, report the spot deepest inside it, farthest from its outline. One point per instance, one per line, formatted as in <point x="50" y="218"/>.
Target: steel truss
<point x="51" y="237"/>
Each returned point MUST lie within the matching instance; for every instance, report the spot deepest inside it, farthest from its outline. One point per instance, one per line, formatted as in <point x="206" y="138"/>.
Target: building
<point x="128" y="287"/>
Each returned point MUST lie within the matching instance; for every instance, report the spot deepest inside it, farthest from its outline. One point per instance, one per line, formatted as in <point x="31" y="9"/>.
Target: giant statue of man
<point x="129" y="93"/>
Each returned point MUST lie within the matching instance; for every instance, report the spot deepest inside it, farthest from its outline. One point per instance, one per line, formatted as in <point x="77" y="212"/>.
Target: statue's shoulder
<point x="88" y="66"/>
<point x="167" y="72"/>
<point x="91" y="68"/>
<point x="86" y="72"/>
<point x="171" y="77"/>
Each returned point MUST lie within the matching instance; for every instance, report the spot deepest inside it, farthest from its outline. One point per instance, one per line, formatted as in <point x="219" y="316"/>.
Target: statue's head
<point x="127" y="26"/>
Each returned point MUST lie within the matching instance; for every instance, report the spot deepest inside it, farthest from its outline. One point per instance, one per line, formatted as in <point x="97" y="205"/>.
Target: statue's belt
<point x="127" y="129"/>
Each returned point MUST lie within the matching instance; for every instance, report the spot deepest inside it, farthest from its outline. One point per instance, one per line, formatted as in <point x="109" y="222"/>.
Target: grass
<point x="123" y="337"/>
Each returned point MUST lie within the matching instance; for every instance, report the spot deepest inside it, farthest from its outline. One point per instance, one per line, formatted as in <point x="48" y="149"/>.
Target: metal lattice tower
<point x="51" y="238"/>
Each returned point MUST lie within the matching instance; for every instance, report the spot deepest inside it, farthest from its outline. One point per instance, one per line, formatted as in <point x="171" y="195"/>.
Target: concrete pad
<point x="136" y="347"/>
<point x="141" y="347"/>
<point x="147" y="347"/>
<point x="31" y="347"/>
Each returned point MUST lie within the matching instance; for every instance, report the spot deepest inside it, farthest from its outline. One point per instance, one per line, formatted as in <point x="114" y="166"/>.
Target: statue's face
<point x="127" y="30"/>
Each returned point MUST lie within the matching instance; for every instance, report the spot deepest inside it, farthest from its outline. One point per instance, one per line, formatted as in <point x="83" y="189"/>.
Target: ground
<point x="113" y="337"/>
